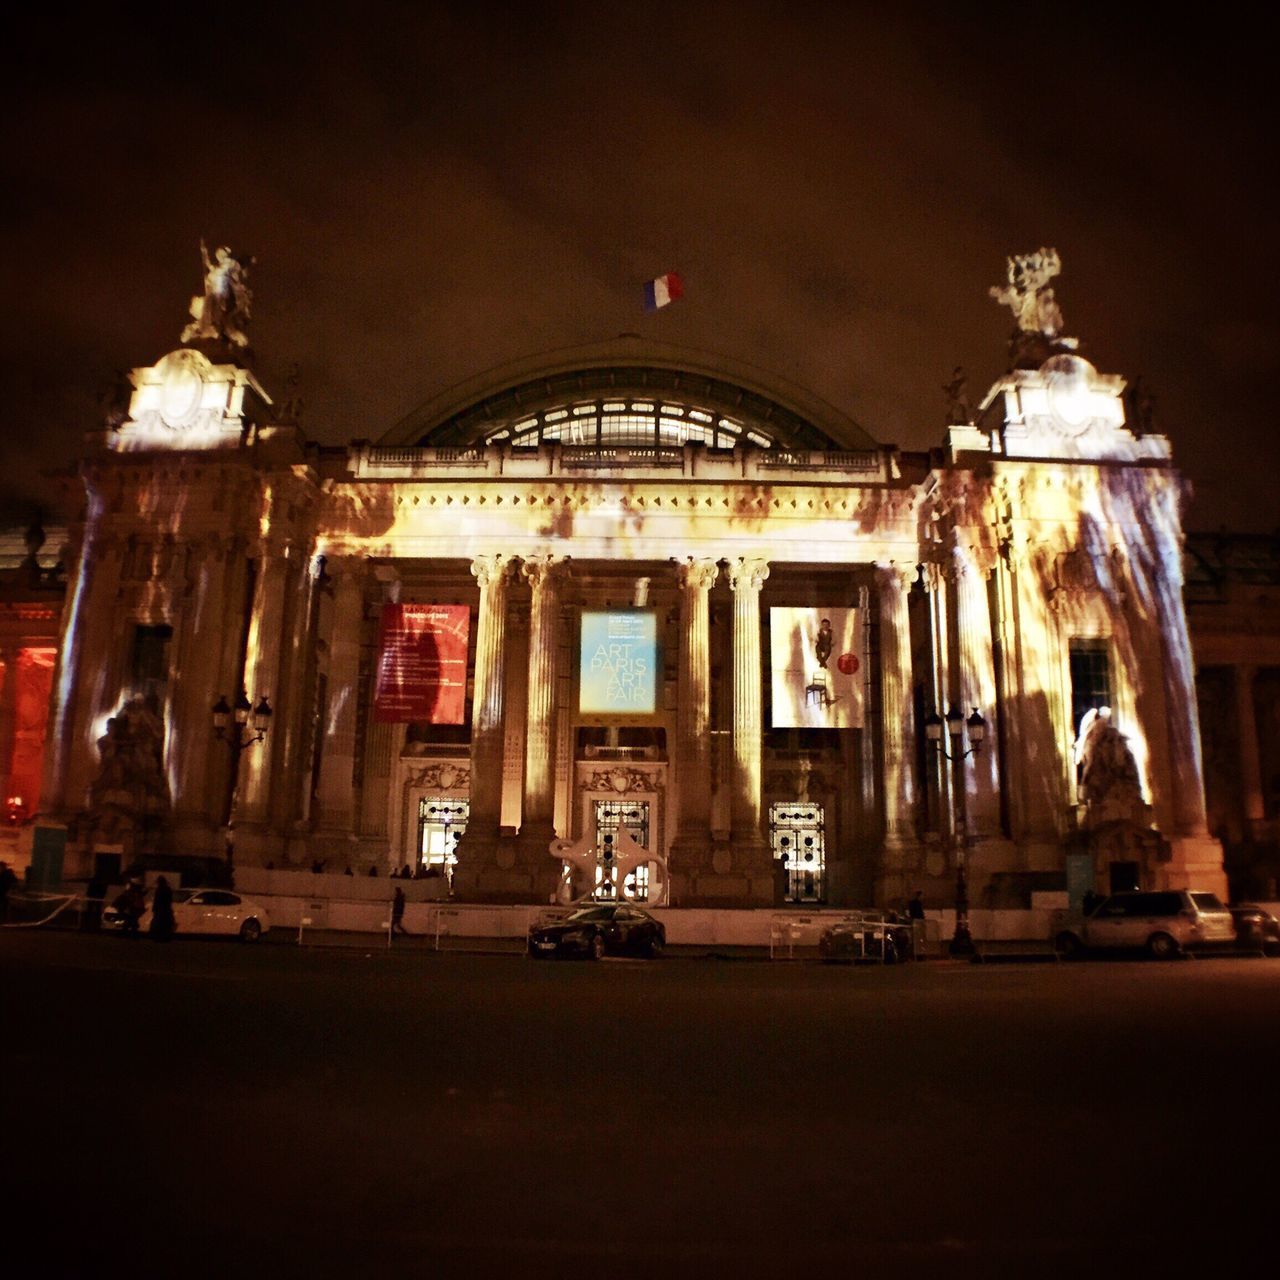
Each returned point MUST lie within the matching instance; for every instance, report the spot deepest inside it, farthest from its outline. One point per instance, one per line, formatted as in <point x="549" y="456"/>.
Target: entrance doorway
<point x="796" y="834"/>
<point x="1124" y="877"/>
<point x="441" y="821"/>
<point x="633" y="818"/>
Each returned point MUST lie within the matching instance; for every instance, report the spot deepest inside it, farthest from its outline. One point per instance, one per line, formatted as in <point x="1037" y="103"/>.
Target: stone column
<point x="893" y="585"/>
<point x="335" y="816"/>
<point x="544" y="575"/>
<point x="1035" y="754"/>
<point x="940" y="769"/>
<point x="190" y="730"/>
<point x="8" y="715"/>
<point x="1250" y="760"/>
<point x="977" y="687"/>
<point x="290" y="703"/>
<point x="1181" y="709"/>
<point x="71" y="762"/>
<point x="751" y="863"/>
<point x="1195" y="860"/>
<point x="478" y="868"/>
<point x="691" y="849"/>
<point x="262" y="671"/>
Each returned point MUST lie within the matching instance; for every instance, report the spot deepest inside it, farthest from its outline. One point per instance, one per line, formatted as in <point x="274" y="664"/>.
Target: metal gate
<point x="796" y="833"/>
<point x="633" y="818"/>
<point x="441" y="821"/>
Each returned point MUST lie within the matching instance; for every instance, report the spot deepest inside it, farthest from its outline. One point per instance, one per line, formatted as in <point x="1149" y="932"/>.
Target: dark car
<point x="596" y="931"/>
<point x="886" y="940"/>
<point x="1256" y="927"/>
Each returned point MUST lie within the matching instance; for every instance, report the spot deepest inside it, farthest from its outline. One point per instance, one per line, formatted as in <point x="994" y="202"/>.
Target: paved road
<point x="200" y="1106"/>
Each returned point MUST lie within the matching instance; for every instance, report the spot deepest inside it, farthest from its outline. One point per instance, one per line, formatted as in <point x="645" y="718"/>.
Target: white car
<point x="1165" y="924"/>
<point x="205" y="913"/>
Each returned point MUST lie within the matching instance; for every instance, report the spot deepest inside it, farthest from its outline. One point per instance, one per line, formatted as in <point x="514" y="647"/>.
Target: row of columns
<point x="490" y="867"/>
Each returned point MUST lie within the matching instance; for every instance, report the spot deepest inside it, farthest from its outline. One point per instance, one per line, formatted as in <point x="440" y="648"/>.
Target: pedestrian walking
<point x="397" y="913"/>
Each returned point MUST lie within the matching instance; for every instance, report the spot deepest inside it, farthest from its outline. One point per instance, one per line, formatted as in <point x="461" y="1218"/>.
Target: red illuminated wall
<point x="31" y="712"/>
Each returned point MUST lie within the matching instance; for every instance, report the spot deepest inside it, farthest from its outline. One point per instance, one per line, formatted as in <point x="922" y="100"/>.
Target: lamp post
<point x="956" y="724"/>
<point x="239" y="726"/>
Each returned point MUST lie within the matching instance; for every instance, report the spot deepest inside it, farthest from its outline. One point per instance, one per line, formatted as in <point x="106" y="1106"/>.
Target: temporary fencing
<point x="31" y="910"/>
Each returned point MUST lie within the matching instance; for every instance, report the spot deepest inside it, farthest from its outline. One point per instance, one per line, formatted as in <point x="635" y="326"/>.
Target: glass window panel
<point x="627" y="428"/>
<point x="1090" y="678"/>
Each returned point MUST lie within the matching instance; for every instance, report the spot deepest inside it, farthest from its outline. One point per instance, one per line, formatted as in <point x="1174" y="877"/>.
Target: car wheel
<point x="655" y="947"/>
<point x="250" y="931"/>
<point x="595" y="948"/>
<point x="1161" y="946"/>
<point x="1067" y="945"/>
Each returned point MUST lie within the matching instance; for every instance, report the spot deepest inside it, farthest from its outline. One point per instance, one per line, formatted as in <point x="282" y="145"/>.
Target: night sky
<point x="433" y="192"/>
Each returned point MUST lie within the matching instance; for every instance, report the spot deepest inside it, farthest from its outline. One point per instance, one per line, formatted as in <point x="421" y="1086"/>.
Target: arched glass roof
<point x="631" y="406"/>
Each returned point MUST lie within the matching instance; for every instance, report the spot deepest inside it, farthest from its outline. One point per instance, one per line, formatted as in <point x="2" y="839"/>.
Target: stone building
<point x="633" y="596"/>
<point x="1233" y="604"/>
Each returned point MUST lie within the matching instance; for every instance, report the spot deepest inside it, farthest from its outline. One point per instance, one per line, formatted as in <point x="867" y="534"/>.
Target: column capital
<point x="541" y="571"/>
<point x="491" y="570"/>
<point x="748" y="573"/>
<point x="698" y="575"/>
<point x="898" y="575"/>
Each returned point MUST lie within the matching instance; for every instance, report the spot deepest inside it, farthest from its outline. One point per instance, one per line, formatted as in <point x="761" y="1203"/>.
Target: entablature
<point x="690" y="461"/>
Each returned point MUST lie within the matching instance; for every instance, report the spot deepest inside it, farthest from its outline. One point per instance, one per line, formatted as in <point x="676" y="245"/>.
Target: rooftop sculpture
<point x="222" y="313"/>
<point x="1037" y="316"/>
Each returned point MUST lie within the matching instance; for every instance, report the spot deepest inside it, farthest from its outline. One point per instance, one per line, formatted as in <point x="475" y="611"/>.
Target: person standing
<point x="915" y="908"/>
<point x="162" y="921"/>
<point x="94" y="895"/>
<point x="131" y="904"/>
<point x="7" y="881"/>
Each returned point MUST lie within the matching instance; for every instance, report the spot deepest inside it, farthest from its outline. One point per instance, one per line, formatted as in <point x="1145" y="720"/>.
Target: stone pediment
<point x="1067" y="409"/>
<point x="186" y="401"/>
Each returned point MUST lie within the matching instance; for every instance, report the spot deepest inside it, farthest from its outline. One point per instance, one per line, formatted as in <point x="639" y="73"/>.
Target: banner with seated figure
<point x="817" y="662"/>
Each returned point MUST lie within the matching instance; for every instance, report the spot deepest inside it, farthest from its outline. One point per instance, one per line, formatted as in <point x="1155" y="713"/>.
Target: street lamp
<point x="956" y="724"/>
<point x="232" y="725"/>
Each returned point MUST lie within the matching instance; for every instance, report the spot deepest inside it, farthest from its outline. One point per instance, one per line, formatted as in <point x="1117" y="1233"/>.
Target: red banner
<point x="422" y="664"/>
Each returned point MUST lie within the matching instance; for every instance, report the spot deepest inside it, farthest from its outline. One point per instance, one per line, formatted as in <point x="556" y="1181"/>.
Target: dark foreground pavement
<point x="201" y="1109"/>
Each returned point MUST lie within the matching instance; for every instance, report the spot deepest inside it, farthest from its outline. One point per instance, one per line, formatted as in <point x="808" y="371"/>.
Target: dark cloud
<point x="431" y="192"/>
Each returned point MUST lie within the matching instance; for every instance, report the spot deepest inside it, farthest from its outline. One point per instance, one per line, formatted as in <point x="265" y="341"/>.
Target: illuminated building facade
<point x="638" y="593"/>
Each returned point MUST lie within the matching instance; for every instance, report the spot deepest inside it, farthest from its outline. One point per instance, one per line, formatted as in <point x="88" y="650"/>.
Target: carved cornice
<point x="441" y="777"/>
<point x="622" y="781"/>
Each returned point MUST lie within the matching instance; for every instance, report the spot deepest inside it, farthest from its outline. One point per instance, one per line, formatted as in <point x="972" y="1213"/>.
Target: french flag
<point x="665" y="289"/>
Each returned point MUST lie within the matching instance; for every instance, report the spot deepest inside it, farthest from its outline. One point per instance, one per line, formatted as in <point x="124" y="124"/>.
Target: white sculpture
<point x="582" y="860"/>
<point x="222" y="313"/>
<point x="1107" y="771"/>
<point x="1028" y="294"/>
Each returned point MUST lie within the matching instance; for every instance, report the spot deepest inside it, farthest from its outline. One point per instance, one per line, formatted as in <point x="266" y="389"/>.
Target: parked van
<point x="1164" y="924"/>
